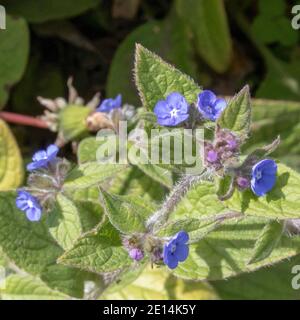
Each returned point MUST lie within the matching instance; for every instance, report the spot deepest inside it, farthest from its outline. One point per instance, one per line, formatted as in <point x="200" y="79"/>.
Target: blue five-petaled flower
<point x="172" y="111"/>
<point x="210" y="106"/>
<point x="109" y="104"/>
<point x="43" y="157"/>
<point x="176" y="250"/>
<point x="263" y="177"/>
<point x="29" y="204"/>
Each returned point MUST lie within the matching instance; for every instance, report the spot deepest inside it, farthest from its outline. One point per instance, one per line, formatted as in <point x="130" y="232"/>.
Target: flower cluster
<point x="175" y="109"/>
<point x="223" y="150"/>
<point x="169" y="252"/>
<point x="109" y="113"/>
<point x="47" y="173"/>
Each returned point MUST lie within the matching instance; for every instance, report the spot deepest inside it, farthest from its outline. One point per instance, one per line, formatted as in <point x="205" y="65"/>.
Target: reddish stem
<point x="23" y="120"/>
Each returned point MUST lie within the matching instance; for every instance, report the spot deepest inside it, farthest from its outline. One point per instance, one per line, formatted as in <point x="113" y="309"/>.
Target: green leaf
<point x="64" y="222"/>
<point x="237" y="116"/>
<point x="45" y="10"/>
<point x="168" y="37"/>
<point x="226" y="251"/>
<point x="90" y="213"/>
<point x="267" y="241"/>
<point x="208" y="24"/>
<point x="134" y="181"/>
<point x="282" y="202"/>
<point x="26" y="287"/>
<point x="90" y="174"/>
<point x="155" y="79"/>
<point x="273" y="118"/>
<point x="270" y="283"/>
<point x="87" y="150"/>
<point x="200" y="201"/>
<point x="30" y="246"/>
<point x="196" y="228"/>
<point x="281" y="80"/>
<point x="98" y="251"/>
<point x="126" y="214"/>
<point x="14" y="51"/>
<point x="156" y="284"/>
<point x="11" y="163"/>
<point x="157" y="173"/>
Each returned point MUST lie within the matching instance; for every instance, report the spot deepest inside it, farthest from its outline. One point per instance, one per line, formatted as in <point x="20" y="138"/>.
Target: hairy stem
<point x="179" y="191"/>
<point x="23" y="120"/>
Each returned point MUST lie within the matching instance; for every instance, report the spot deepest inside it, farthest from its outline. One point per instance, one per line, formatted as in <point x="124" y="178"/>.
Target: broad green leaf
<point x="134" y="181"/>
<point x="64" y="222"/>
<point x="30" y="246"/>
<point x="14" y="50"/>
<point x="11" y="163"/>
<point x="90" y="194"/>
<point x="273" y="118"/>
<point x="157" y="284"/>
<point x="67" y="280"/>
<point x="156" y="79"/>
<point x="126" y="214"/>
<point x="98" y="251"/>
<point x="25" y="287"/>
<point x="200" y="201"/>
<point x="272" y="282"/>
<point x="267" y="241"/>
<point x="237" y="115"/>
<point x="169" y="38"/>
<point x="90" y="174"/>
<point x="208" y="24"/>
<point x="282" y="78"/>
<point x="227" y="251"/>
<point x="196" y="228"/>
<point x="159" y="174"/>
<point x="87" y="149"/>
<point x="283" y="201"/>
<point x="72" y="122"/>
<point x="90" y="213"/>
<point x="45" y="10"/>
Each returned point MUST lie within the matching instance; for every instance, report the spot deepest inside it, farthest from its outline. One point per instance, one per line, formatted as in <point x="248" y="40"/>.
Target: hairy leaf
<point x="125" y="214"/>
<point x="267" y="241"/>
<point x="237" y="115"/>
<point x="156" y="79"/>
<point x="98" y="251"/>
<point x="26" y="287"/>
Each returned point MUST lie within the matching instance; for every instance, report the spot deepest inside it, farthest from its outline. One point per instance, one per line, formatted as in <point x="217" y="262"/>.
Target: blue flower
<point x="172" y="111"/>
<point x="109" y="104"/>
<point x="42" y="158"/>
<point x="263" y="177"/>
<point x="29" y="204"/>
<point x="176" y="250"/>
<point x="209" y="106"/>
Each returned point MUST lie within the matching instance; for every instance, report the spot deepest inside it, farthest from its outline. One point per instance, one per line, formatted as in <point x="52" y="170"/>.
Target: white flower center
<point x="173" y="248"/>
<point x="30" y="204"/>
<point x="173" y="113"/>
<point x="209" y="109"/>
<point x="258" y="175"/>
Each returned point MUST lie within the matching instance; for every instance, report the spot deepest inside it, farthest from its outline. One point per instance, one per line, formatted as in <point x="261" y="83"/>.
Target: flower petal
<point x="52" y="150"/>
<point x="206" y="98"/>
<point x="182" y="252"/>
<point x="182" y="237"/>
<point x="170" y="259"/>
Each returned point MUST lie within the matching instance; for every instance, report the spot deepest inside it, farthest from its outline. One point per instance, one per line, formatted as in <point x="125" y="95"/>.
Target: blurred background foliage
<point x="221" y="44"/>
